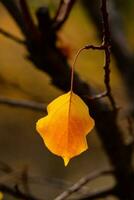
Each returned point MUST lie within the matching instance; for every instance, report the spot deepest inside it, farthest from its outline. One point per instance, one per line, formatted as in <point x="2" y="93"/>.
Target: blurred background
<point x="21" y="147"/>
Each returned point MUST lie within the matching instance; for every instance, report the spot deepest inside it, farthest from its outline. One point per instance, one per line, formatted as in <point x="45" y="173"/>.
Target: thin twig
<point x="8" y="173"/>
<point x="63" y="12"/>
<point x="101" y="47"/>
<point x="73" y="66"/>
<point x="14" y="176"/>
<point x="22" y="103"/>
<point x="123" y="54"/>
<point x="13" y="9"/>
<point x="107" y="44"/>
<point x="12" y="37"/>
<point x="83" y="181"/>
<point x="98" y="96"/>
<point x="86" y="47"/>
<point x="28" y="20"/>
<point x="58" y="10"/>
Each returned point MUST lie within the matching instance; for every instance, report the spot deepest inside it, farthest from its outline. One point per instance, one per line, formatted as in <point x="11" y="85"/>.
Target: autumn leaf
<point x="66" y="126"/>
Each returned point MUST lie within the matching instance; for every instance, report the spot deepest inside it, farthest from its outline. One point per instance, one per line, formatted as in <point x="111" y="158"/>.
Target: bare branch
<point x="29" y="23"/>
<point x="22" y="103"/>
<point x="107" y="44"/>
<point x="12" y="37"/>
<point x="63" y="12"/>
<point x="83" y="181"/>
<point x="15" y="176"/>
<point x="98" y="96"/>
<point x="15" y="12"/>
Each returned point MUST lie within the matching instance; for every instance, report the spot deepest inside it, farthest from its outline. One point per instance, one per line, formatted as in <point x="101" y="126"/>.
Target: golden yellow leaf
<point x="65" y="127"/>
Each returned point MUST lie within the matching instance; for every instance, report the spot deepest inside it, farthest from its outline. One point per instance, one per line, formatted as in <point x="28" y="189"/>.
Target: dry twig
<point x="63" y="12"/>
<point x="83" y="181"/>
<point x="12" y="37"/>
<point x="107" y="45"/>
<point x="22" y="103"/>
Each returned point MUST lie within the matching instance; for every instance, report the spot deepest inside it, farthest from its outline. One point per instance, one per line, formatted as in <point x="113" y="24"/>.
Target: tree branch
<point x="28" y="21"/>
<point x="15" y="12"/>
<point x="120" y="49"/>
<point x="63" y="12"/>
<point x="83" y="181"/>
<point x="107" y="44"/>
<point x="12" y="37"/>
<point x="22" y="103"/>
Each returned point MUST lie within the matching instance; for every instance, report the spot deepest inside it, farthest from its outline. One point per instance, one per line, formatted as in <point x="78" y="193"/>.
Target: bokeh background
<point x="20" y="145"/>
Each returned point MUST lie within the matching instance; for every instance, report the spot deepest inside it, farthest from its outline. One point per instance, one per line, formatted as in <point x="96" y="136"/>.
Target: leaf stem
<point x="73" y="66"/>
<point x="86" y="47"/>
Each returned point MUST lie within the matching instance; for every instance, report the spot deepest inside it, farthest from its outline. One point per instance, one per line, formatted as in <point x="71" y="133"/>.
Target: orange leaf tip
<point x="66" y="161"/>
<point x="66" y="126"/>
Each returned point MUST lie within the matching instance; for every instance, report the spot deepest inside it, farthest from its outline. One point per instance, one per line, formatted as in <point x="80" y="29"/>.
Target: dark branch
<point x="12" y="37"/>
<point x="101" y="47"/>
<point x="120" y="48"/>
<point x="107" y="44"/>
<point x="15" y="12"/>
<point x="83" y="181"/>
<point x="14" y="175"/>
<point x="22" y="103"/>
<point x="98" y="96"/>
<point x="63" y="12"/>
<point x="28" y="21"/>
